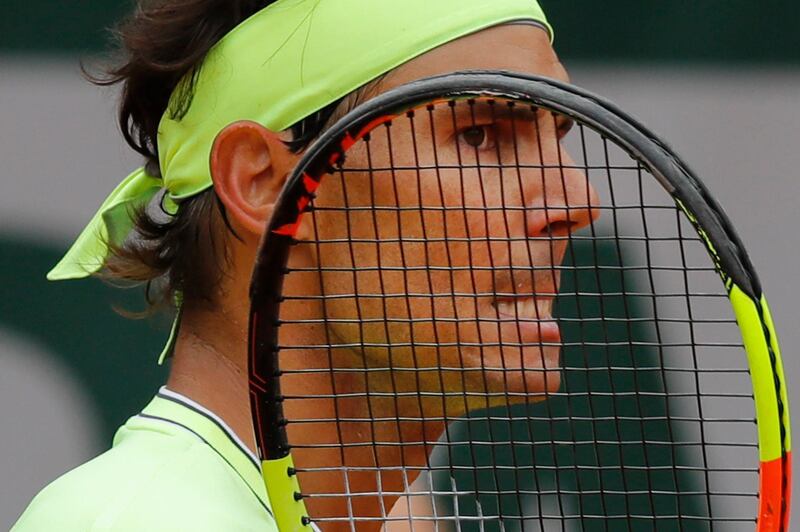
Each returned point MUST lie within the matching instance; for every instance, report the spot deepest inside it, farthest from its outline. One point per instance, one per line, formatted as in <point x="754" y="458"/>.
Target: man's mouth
<point x="531" y="318"/>
<point x="527" y="308"/>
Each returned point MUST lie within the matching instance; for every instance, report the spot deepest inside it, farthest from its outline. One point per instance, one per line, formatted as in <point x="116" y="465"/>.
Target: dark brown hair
<point x="161" y="43"/>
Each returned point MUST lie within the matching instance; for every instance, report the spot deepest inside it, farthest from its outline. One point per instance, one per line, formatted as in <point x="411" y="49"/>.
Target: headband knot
<point x="110" y="226"/>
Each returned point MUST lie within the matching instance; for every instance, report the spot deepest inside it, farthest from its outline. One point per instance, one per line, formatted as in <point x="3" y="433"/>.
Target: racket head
<point x="689" y="206"/>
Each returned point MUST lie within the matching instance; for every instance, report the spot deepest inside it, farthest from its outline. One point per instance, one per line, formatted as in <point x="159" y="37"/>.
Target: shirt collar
<point x="179" y="410"/>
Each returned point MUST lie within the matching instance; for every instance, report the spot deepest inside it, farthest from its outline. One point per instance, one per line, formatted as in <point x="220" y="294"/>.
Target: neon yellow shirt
<point x="176" y="466"/>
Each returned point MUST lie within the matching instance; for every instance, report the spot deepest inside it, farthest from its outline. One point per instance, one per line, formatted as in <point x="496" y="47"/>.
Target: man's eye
<point x="475" y="136"/>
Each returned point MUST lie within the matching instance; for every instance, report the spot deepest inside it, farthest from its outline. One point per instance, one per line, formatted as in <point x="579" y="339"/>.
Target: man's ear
<point x="249" y="165"/>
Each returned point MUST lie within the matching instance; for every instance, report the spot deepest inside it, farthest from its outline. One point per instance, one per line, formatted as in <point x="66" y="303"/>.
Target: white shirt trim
<point x="224" y="426"/>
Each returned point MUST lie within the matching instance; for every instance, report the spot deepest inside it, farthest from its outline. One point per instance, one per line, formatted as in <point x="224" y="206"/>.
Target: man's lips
<point x="531" y="317"/>
<point x="529" y="308"/>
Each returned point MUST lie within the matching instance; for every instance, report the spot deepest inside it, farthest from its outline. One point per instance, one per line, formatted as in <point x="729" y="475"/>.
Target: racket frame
<point x="708" y="218"/>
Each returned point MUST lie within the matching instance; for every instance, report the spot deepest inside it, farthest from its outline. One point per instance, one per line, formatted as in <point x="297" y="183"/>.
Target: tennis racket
<point x="464" y="318"/>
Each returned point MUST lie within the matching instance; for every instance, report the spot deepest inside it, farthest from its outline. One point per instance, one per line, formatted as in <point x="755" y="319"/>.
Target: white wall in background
<point x="49" y="424"/>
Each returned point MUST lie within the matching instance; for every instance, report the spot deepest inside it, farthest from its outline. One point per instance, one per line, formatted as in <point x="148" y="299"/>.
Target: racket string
<point x="634" y="323"/>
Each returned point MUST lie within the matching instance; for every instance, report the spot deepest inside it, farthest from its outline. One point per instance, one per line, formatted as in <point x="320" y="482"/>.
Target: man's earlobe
<point x="249" y="166"/>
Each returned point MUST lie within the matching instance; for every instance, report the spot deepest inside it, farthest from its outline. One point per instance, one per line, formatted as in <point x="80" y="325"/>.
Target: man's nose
<point x="568" y="202"/>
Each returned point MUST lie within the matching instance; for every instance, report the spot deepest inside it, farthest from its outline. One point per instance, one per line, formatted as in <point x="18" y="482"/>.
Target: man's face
<point x="438" y="244"/>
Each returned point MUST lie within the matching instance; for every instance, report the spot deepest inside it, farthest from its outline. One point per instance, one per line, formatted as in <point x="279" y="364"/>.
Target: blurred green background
<point x="624" y="30"/>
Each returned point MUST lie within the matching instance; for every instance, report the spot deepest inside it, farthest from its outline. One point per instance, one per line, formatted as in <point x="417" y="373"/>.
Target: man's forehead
<point x="517" y="47"/>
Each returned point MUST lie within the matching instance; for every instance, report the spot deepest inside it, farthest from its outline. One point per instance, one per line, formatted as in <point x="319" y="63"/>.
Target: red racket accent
<point x="775" y="495"/>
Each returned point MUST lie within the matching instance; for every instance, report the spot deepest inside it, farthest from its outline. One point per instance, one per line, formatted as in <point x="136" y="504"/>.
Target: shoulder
<point x="150" y="481"/>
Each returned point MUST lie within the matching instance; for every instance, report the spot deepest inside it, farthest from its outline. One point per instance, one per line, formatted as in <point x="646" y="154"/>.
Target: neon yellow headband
<point x="279" y="66"/>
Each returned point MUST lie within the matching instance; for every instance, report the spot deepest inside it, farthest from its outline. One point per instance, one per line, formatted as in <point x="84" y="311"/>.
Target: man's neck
<point x="208" y="368"/>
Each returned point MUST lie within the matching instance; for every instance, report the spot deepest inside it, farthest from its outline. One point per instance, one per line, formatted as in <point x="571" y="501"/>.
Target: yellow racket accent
<point x="290" y="511"/>
<point x="763" y="375"/>
<point x="769" y="388"/>
<point x="779" y="370"/>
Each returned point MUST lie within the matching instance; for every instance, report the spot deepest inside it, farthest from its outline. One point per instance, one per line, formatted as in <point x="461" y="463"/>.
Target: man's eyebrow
<point x="500" y="110"/>
<point x="482" y="109"/>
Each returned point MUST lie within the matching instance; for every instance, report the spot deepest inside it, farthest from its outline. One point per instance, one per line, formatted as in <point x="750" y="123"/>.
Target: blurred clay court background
<point x="720" y="79"/>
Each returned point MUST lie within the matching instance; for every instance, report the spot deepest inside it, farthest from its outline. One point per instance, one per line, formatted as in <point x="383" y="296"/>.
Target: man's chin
<point x="533" y="371"/>
<point x="511" y="388"/>
<point x="513" y="384"/>
<point x="524" y="386"/>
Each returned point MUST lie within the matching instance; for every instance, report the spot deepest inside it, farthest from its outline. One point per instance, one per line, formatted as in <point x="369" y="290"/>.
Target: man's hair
<point x="162" y="42"/>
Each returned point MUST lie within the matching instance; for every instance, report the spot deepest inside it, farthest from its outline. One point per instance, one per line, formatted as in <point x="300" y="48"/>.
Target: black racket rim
<point x="706" y="215"/>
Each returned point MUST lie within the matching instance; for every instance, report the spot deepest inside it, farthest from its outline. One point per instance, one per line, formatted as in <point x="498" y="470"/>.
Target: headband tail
<point x="111" y="225"/>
